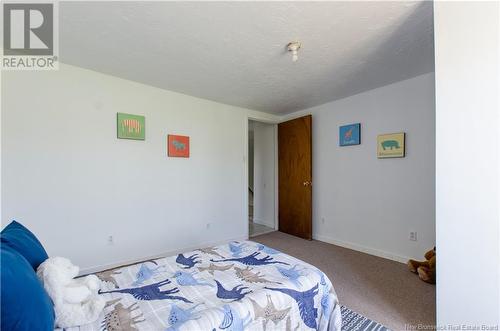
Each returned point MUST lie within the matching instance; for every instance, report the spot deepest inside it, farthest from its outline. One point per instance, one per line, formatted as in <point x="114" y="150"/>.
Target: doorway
<point x="261" y="178"/>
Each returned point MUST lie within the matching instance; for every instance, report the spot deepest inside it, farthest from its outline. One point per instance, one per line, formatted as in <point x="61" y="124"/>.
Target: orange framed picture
<point x="178" y="146"/>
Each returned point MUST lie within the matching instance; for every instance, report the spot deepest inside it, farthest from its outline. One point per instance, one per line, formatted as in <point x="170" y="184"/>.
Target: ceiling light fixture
<point x="294" y="47"/>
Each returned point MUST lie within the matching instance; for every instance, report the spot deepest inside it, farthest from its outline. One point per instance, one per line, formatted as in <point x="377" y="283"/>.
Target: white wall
<point x="467" y="39"/>
<point x="372" y="204"/>
<point x="69" y="179"/>
<point x="264" y="179"/>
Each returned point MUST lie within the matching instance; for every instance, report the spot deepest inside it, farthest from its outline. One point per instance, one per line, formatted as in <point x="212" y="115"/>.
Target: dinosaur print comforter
<point x="234" y="287"/>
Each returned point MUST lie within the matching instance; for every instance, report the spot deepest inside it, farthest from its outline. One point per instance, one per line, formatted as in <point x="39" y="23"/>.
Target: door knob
<point x="306" y="183"/>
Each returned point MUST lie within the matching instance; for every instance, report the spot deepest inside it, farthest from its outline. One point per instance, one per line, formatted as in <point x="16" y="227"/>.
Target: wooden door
<point x="295" y="177"/>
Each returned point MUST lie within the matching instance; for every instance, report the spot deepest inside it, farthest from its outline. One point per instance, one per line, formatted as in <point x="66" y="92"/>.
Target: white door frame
<point x="245" y="165"/>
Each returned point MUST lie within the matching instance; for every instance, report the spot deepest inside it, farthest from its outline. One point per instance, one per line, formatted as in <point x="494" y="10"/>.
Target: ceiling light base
<point x="294" y="47"/>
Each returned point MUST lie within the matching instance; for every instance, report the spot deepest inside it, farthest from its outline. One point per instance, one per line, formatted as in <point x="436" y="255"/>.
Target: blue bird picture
<point x="252" y="260"/>
<point x="267" y="250"/>
<point x="187" y="262"/>
<point x="145" y="273"/>
<point x="185" y="278"/>
<point x="179" y="316"/>
<point x="236" y="248"/>
<point x="234" y="294"/>
<point x="292" y="274"/>
<point x="321" y="277"/>
<point x="305" y="301"/>
<point x="232" y="321"/>
<point x="326" y="303"/>
<point x="151" y="292"/>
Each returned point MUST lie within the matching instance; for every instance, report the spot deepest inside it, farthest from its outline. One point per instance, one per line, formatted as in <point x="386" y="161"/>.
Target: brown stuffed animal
<point x="426" y="270"/>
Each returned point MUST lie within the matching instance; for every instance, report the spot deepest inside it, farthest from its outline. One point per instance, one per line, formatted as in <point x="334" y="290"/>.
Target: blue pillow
<point x="17" y="237"/>
<point x="25" y="304"/>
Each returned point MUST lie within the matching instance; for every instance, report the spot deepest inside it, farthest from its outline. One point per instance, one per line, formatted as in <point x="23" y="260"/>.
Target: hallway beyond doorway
<point x="255" y="229"/>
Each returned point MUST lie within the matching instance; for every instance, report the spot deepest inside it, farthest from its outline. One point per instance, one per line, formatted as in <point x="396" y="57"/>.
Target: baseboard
<point x="360" y="248"/>
<point x="356" y="247"/>
<point x="102" y="267"/>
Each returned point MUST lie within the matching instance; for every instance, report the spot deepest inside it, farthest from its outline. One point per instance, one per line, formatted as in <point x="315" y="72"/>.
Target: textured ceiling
<point x="234" y="52"/>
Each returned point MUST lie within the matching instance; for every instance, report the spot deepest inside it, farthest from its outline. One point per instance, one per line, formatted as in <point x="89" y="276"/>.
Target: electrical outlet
<point x="208" y="226"/>
<point x="413" y="236"/>
<point x="322" y="220"/>
<point x="111" y="240"/>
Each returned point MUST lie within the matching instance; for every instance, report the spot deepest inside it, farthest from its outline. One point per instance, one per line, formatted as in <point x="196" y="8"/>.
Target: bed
<point x="238" y="286"/>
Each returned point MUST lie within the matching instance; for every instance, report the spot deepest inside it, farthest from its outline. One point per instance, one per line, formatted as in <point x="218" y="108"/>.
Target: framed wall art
<point x="391" y="145"/>
<point x="178" y="146"/>
<point x="350" y="134"/>
<point x="130" y="126"/>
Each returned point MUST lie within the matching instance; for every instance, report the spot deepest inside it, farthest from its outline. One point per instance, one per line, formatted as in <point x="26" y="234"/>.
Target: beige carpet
<point x="382" y="290"/>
